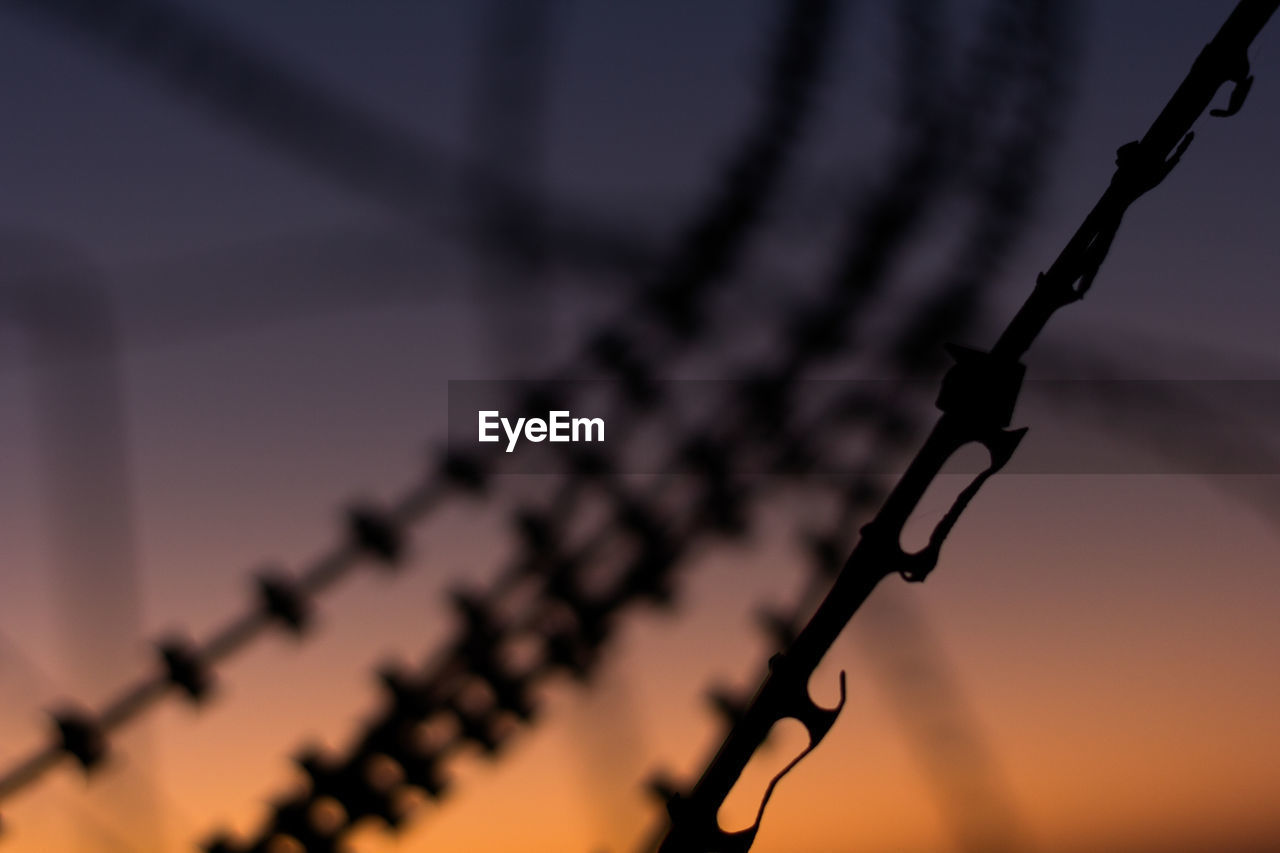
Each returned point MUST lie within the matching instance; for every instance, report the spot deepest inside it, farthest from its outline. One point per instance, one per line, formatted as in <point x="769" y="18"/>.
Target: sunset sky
<point x="284" y="343"/>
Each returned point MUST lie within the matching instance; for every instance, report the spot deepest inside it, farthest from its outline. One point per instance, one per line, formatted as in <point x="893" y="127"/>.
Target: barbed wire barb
<point x="977" y="400"/>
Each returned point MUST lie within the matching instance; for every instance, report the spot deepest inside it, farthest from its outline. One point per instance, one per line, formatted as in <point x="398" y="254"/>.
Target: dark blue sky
<point x="643" y="100"/>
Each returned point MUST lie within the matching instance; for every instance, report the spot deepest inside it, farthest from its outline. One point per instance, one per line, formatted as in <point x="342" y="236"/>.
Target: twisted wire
<point x="671" y="305"/>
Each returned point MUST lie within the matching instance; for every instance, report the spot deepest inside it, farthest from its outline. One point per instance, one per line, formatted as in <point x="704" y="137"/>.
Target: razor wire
<point x="670" y="303"/>
<point x="977" y="400"/>
<point x="388" y="757"/>
<point x="980" y="813"/>
<point x="891" y="415"/>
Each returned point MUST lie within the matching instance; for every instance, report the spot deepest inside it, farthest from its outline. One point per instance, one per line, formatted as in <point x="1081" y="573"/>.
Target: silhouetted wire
<point x="377" y="536"/>
<point x="983" y="815"/>
<point x="435" y="693"/>
<point x="448" y="687"/>
<point x="19" y="669"/>
<point x="977" y="400"/>
<point x="508" y="111"/>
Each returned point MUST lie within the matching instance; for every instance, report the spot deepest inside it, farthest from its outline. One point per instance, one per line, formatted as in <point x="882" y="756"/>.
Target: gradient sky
<point x="1115" y="636"/>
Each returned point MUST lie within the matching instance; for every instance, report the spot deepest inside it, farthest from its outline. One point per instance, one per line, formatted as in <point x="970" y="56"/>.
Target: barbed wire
<point x="982" y="813"/>
<point x="365" y="784"/>
<point x="977" y="401"/>
<point x="954" y="305"/>
<point x="671" y="304"/>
